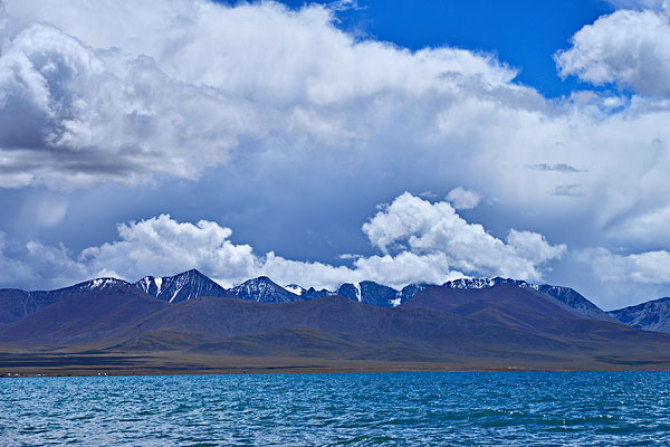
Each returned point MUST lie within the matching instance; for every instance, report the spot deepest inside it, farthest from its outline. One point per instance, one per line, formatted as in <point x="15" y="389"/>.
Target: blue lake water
<point x="517" y="409"/>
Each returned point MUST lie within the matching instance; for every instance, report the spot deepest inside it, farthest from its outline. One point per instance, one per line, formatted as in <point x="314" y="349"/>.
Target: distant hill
<point x="484" y="327"/>
<point x="651" y="316"/>
<point x="521" y="308"/>
<point x="83" y="317"/>
<point x="565" y="295"/>
<point x="16" y="305"/>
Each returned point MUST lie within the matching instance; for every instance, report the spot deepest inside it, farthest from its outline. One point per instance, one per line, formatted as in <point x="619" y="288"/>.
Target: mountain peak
<point x="263" y="289"/>
<point x="102" y="283"/>
<point x="180" y="287"/>
<point x="565" y="295"/>
<point x="481" y="283"/>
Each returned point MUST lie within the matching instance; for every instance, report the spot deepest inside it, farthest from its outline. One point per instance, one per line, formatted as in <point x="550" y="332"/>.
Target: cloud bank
<point x="96" y="92"/>
<point x="651" y="267"/>
<point x="419" y="241"/>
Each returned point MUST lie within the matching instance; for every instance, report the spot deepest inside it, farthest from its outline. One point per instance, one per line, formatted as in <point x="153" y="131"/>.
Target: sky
<point x="339" y="141"/>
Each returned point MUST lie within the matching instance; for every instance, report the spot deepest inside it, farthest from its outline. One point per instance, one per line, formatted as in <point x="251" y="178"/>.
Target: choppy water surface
<point x="339" y="409"/>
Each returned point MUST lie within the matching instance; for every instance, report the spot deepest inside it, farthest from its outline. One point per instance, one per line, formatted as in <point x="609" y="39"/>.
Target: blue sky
<point x="523" y="33"/>
<point x="328" y="142"/>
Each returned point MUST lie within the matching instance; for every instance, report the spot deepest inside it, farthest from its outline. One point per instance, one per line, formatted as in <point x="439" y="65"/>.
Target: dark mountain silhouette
<point x="565" y="295"/>
<point x="88" y="315"/>
<point x="516" y="307"/>
<point x="332" y="327"/>
<point x="455" y="328"/>
<point x="17" y="304"/>
<point x="651" y="316"/>
<point x="410" y="290"/>
<point x="188" y="318"/>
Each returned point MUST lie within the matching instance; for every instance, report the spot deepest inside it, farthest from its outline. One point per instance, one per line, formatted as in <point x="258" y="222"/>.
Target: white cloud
<point x="431" y="243"/>
<point x="106" y="92"/>
<point x="629" y="48"/>
<point x="407" y="267"/>
<point x="99" y="92"/>
<point x="75" y="115"/>
<point x="645" y="226"/>
<point x="463" y="199"/>
<point x="421" y="227"/>
<point x="161" y="244"/>
<point x="651" y="267"/>
<point x="41" y="265"/>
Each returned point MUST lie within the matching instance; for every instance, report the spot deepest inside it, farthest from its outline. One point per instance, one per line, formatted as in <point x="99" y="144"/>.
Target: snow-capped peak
<point x="565" y="295"/>
<point x="103" y="283"/>
<point x="265" y="290"/>
<point x="295" y="289"/>
<point x="181" y="287"/>
<point x="482" y="283"/>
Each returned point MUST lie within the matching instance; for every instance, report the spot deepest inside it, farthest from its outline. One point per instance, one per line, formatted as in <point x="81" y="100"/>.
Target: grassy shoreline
<point x="31" y="364"/>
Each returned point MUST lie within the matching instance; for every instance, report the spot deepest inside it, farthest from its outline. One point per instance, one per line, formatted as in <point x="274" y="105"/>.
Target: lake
<point x="517" y="409"/>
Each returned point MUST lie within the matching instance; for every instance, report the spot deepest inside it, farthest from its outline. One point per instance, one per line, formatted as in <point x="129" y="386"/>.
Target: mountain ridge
<point x="652" y="315"/>
<point x="499" y="327"/>
<point x="16" y="304"/>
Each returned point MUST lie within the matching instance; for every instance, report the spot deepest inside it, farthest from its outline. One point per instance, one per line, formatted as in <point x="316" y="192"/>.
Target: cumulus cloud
<point x="463" y="199"/>
<point x="420" y="241"/>
<point x="651" y="267"/>
<point x="94" y="92"/>
<point x="75" y="115"/>
<point x="629" y="48"/>
<point x="154" y="244"/>
<point x="98" y="92"/>
<point x="419" y="226"/>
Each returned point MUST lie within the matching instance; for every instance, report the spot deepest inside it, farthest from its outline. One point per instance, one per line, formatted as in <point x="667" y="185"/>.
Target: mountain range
<point x="16" y="304"/>
<point x="188" y="322"/>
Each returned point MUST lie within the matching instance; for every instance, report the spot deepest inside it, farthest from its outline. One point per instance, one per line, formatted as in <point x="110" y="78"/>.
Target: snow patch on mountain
<point x="181" y="287"/>
<point x="565" y="295"/>
<point x="295" y="289"/>
<point x="263" y="289"/>
<point x="101" y="283"/>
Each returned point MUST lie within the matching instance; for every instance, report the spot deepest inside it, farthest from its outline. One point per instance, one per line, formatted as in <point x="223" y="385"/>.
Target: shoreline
<point x="264" y="366"/>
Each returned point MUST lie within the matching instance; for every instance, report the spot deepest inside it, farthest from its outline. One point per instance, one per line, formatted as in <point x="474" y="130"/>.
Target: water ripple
<point x="516" y="409"/>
